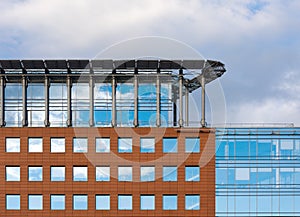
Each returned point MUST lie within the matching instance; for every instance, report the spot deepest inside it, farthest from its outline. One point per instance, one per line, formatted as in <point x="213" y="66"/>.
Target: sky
<point x="257" y="40"/>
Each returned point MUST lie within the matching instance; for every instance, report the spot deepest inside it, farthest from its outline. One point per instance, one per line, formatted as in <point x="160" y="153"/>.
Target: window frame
<point x="40" y="196"/>
<point x="6" y="173"/>
<point x="81" y="149"/>
<point x="58" y="150"/>
<point x="97" y="197"/>
<point x="57" y="195"/>
<point x="167" y="142"/>
<point x="39" y="149"/>
<point x="28" y="173"/>
<point x="98" y="143"/>
<point x="18" y="149"/>
<point x="78" y="179"/>
<point x="8" y="206"/>
<point x="165" y="176"/>
<point x="51" y="176"/>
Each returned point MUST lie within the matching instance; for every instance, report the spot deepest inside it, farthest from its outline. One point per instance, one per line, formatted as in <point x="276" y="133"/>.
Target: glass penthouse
<point x="105" y="138"/>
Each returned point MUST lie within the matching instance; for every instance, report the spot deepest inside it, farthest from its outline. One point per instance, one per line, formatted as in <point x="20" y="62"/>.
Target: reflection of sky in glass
<point x="12" y="173"/>
<point x="102" y="202"/>
<point x="58" y="173"/>
<point x="80" y="145"/>
<point x="192" y="202"/>
<point x="35" y="173"/>
<point x="103" y="173"/>
<point x="57" y="145"/>
<point x="124" y="145"/>
<point x="57" y="202"/>
<point x="12" y="144"/>
<point x="102" y="144"/>
<point x="35" y="202"/>
<point x="13" y="202"/>
<point x="80" y="202"/>
<point x="147" y="145"/>
<point x="192" y="174"/>
<point x="125" y="202"/>
<point x="125" y="173"/>
<point x="169" y="173"/>
<point x="169" y="202"/>
<point x="147" y="202"/>
<point x="80" y="173"/>
<point x="169" y="145"/>
<point x="192" y="145"/>
<point x="35" y="145"/>
<point x="147" y="173"/>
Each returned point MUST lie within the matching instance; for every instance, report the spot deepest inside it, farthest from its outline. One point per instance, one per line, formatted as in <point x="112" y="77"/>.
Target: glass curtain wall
<point x="58" y="105"/>
<point x="125" y="103"/>
<point x="80" y="104"/>
<point x="102" y="104"/>
<point x="13" y="104"/>
<point x="35" y="104"/>
<point x="258" y="172"/>
<point x="147" y="104"/>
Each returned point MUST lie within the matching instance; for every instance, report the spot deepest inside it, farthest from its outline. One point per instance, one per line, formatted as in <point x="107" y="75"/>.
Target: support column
<point x="2" y="86"/>
<point x="113" y="103"/>
<point x="47" y="86"/>
<point x="24" y="99"/>
<point x="135" y="119"/>
<point x="203" y="122"/>
<point x="69" y="106"/>
<point x="186" y="106"/>
<point x="180" y="121"/>
<point x="158" y="120"/>
<point x="91" y="97"/>
<point x="174" y="106"/>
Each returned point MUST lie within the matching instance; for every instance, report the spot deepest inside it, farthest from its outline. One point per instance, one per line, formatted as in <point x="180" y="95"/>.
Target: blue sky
<point x="257" y="40"/>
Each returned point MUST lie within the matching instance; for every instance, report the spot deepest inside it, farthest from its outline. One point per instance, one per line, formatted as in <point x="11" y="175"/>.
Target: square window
<point x="192" y="202"/>
<point x="57" y="202"/>
<point x="12" y="202"/>
<point x="102" y="145"/>
<point x="57" y="145"/>
<point x="124" y="202"/>
<point x="125" y="145"/>
<point x="80" y="174"/>
<point x="169" y="173"/>
<point x="147" y="145"/>
<point x="58" y="173"/>
<point x="169" y="202"/>
<point x="12" y="144"/>
<point x="192" y="173"/>
<point x="169" y="145"/>
<point x="80" y="202"/>
<point x="147" y="173"/>
<point x="35" y="145"/>
<point x="35" y="202"/>
<point x="192" y="145"/>
<point x="12" y="173"/>
<point x="80" y="145"/>
<point x="102" y="202"/>
<point x="35" y="173"/>
<point x="147" y="202"/>
<point x="125" y="173"/>
<point x="103" y="173"/>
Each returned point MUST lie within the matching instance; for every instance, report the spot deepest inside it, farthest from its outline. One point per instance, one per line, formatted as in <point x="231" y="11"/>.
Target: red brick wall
<point x="206" y="159"/>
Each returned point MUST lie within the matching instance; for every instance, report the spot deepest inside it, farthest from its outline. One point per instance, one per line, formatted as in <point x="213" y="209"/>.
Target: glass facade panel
<point x="80" y="173"/>
<point x="102" y="145"/>
<point x="147" y="104"/>
<point x="80" y="104"/>
<point x="58" y="105"/>
<point x="102" y="104"/>
<point x="35" y="104"/>
<point x="125" y="104"/>
<point x="169" y="145"/>
<point x="257" y="172"/>
<point x="57" y="202"/>
<point x="124" y="202"/>
<point x="147" y="145"/>
<point x="102" y="202"/>
<point x="13" y="104"/>
<point x="147" y="202"/>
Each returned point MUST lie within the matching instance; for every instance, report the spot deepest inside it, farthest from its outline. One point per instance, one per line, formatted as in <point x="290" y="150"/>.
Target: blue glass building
<point x="258" y="172"/>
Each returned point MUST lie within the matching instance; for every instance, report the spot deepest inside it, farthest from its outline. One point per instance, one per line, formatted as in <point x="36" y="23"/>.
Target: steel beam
<point x="135" y="120"/>
<point x="186" y="107"/>
<point x="180" y="121"/>
<point x="91" y="97"/>
<point x="69" y="101"/>
<point x="158" y="120"/>
<point x="24" y="100"/>
<point x="2" y="89"/>
<point x="113" y="103"/>
<point x="47" y="86"/>
<point x="203" y="122"/>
